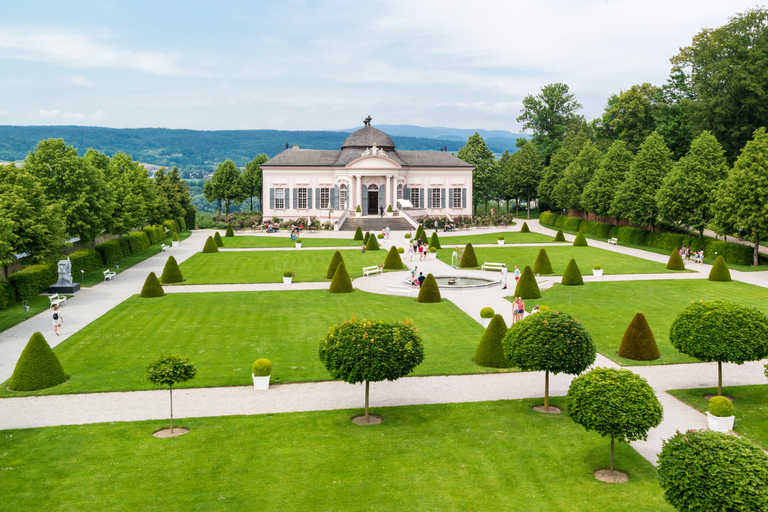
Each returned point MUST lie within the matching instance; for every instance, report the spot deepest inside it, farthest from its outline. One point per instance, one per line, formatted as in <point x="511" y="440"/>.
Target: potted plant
<point x="407" y="236"/>
<point x="390" y="213"/>
<point x="175" y="239"/>
<point x="358" y="211"/>
<point x="720" y="414"/>
<point x="597" y="271"/>
<point x="486" y="314"/>
<point x="400" y="250"/>
<point x="500" y="239"/>
<point x="288" y="277"/>
<point x="261" y="371"/>
<point x="433" y="252"/>
<point x="298" y="243"/>
<point x="380" y="236"/>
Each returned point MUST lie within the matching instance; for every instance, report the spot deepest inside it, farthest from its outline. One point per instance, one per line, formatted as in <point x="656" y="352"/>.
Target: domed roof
<point x="366" y="137"/>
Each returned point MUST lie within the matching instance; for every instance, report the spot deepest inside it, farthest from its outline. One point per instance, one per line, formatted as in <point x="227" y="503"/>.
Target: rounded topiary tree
<point x="218" y="240"/>
<point x="210" y="246"/>
<point x="37" y="367"/>
<point x="572" y="275"/>
<point x="434" y="241"/>
<point x="615" y="403"/>
<point x="168" y="370"/>
<point x="708" y="470"/>
<point x="487" y="312"/>
<point x="230" y="232"/>
<point x="525" y="229"/>
<point x="549" y="342"/>
<point x="393" y="261"/>
<point x="542" y="264"/>
<point x="358" y="234"/>
<point x="638" y="342"/>
<point x="559" y="237"/>
<point x="527" y="287"/>
<point x="372" y="244"/>
<point x="580" y="240"/>
<point x="261" y="368"/>
<point x="175" y="237"/>
<point x="720" y="406"/>
<point x="719" y="271"/>
<point x="468" y="258"/>
<point x="721" y="331"/>
<point x="429" y="291"/>
<point x="675" y="261"/>
<point x="371" y="351"/>
<point x="341" y="282"/>
<point x="335" y="260"/>
<point x="171" y="272"/>
<point x="152" y="287"/>
<point x="367" y="236"/>
<point x="489" y="352"/>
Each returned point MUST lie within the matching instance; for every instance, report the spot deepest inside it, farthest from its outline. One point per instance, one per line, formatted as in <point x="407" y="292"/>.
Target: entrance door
<point x="373" y="202"/>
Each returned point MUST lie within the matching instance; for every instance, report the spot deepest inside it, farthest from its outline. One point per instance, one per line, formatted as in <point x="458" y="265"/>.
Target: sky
<point x="326" y="65"/>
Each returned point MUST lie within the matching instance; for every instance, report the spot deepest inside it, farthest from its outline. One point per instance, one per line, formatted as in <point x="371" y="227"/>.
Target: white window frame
<point x="343" y="197"/>
<point x="456" y="200"/>
<point x="279" y="199"/>
<point x="415" y="197"/>
<point x="436" y="197"/>
<point x="400" y="191"/>
<point x="301" y="198"/>
<point x="325" y="198"/>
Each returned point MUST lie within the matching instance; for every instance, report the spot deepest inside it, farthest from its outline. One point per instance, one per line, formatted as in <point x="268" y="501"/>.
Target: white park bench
<point x="109" y="275"/>
<point x="372" y="270"/>
<point x="614" y="241"/>
<point x="492" y="266"/>
<point x="402" y="290"/>
<point x="57" y="300"/>
<point x="165" y="247"/>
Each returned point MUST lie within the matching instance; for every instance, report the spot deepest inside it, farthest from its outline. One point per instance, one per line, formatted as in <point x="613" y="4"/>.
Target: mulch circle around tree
<point x="166" y="432"/>
<point x="611" y="477"/>
<point x="373" y="419"/>
<point x="552" y="409"/>
<point x="709" y="396"/>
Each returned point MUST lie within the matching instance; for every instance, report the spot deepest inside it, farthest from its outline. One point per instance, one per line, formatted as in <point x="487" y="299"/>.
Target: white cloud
<point x="53" y="115"/>
<point x="77" y="81"/>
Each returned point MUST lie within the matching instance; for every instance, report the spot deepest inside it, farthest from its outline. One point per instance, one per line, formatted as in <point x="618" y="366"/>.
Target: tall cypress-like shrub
<point x="230" y="231"/>
<point x="719" y="271"/>
<point x="675" y="261"/>
<point x="434" y="241"/>
<point x="335" y="260"/>
<point x="210" y="246"/>
<point x="341" y="282"/>
<point x="393" y="261"/>
<point x="525" y="229"/>
<point x="572" y="275"/>
<point x="489" y="352"/>
<point x="638" y="342"/>
<point x="429" y="291"/>
<point x="218" y="240"/>
<point x="542" y="265"/>
<point x="580" y="240"/>
<point x="171" y="272"/>
<point x="468" y="259"/>
<point x="559" y="237"/>
<point x="152" y="287"/>
<point x="372" y="244"/>
<point x="358" y="234"/>
<point x="420" y="232"/>
<point x="367" y="236"/>
<point x="37" y="367"/>
<point x="527" y="287"/>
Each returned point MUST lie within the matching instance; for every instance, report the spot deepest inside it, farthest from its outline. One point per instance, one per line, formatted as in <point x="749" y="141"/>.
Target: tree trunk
<point x="251" y="198"/>
<point x="719" y="378"/>
<point x="366" y="401"/>
<point x="528" y="204"/>
<point x="546" y="390"/>
<point x="171" y="389"/>
<point x="701" y="233"/>
<point x="219" y="207"/>
<point x="757" y="252"/>
<point x="611" y="454"/>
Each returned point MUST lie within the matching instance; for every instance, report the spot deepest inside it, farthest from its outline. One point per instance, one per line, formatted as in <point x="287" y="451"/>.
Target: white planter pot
<point x="298" y="246"/>
<point x="260" y="383"/>
<point x="501" y="242"/>
<point x="432" y="255"/>
<point x="358" y="214"/>
<point x="720" y="424"/>
<point x="175" y="243"/>
<point x="597" y="272"/>
<point x="485" y="322"/>
<point x="287" y="280"/>
<point x="390" y="214"/>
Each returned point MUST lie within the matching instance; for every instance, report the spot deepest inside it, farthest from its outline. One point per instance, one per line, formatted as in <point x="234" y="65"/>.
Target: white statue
<point x="65" y="273"/>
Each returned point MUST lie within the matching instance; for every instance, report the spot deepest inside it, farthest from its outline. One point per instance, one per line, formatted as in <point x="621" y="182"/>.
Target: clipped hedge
<point x="182" y="224"/>
<point x="171" y="225"/>
<point x="372" y="244"/>
<point x="7" y="295"/>
<point x="559" y="237"/>
<point x="230" y="232"/>
<point x="366" y="237"/>
<point x="675" y="261"/>
<point x="393" y="261"/>
<point x="113" y="250"/>
<point x="37" y="367"/>
<point x="429" y="291"/>
<point x="210" y="246"/>
<point x="525" y="228"/>
<point x="85" y="259"/>
<point x="490" y="352"/>
<point x="341" y="282"/>
<point x="261" y="368"/>
<point x="137" y="241"/>
<point x="156" y="234"/>
<point x="580" y="241"/>
<point x="33" y="280"/>
<point x="720" y="406"/>
<point x="468" y="258"/>
<point x="333" y="265"/>
<point x="542" y="265"/>
<point x="638" y="342"/>
<point x="435" y="241"/>
<point x="572" y="275"/>
<point x="358" y="234"/>
<point x="720" y="271"/>
<point x="171" y="272"/>
<point x="527" y="287"/>
<point x="152" y="287"/>
<point x="217" y="240"/>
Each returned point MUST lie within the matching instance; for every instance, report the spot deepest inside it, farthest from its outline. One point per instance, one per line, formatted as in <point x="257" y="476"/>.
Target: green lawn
<point x="284" y="240"/>
<point x="510" y="237"/>
<point x="223" y="333"/>
<point x="559" y="256"/>
<point x="15" y="314"/>
<point x="750" y="404"/>
<point x="268" y="266"/>
<point x="484" y="456"/>
<point x="606" y="309"/>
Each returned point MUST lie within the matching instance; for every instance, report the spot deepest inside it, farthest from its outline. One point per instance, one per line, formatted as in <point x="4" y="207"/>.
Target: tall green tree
<point x="685" y="197"/>
<point x="253" y="180"/>
<point x="631" y="116"/>
<point x="509" y="188"/>
<point x="636" y="198"/>
<point x="549" y="115"/>
<point x="552" y="174"/>
<point x="742" y="198"/>
<point x="526" y="171"/>
<point x="576" y="176"/>
<point x="475" y="152"/>
<point x="674" y="100"/>
<point x="227" y="185"/>
<point x="601" y="190"/>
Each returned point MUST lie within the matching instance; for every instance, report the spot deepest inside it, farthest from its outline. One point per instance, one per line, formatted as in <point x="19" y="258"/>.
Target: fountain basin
<point x="462" y="280"/>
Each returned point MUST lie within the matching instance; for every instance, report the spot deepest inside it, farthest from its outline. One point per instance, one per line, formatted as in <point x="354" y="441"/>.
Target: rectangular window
<point x="436" y="197"/>
<point x="415" y="197"/>
<point x="301" y="203"/>
<point x="399" y="191"/>
<point x="279" y="198"/>
<point x="325" y="198"/>
<point x="343" y="197"/>
<point x="456" y="198"/>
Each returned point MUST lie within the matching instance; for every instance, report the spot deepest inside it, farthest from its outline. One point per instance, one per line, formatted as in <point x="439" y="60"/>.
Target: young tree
<point x="252" y="180"/>
<point x="226" y="185"/>
<point x="601" y="190"/>
<point x="576" y="176"/>
<point x="615" y="403"/>
<point x="549" y="115"/>
<point x="526" y="172"/>
<point x="674" y="101"/>
<point x="631" y="116"/>
<point x="371" y="351"/>
<point x="168" y="370"/>
<point x="475" y="152"/>
<point x="552" y="174"/>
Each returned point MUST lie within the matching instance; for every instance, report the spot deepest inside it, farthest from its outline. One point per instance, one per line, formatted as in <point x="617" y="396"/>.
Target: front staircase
<point x="376" y="224"/>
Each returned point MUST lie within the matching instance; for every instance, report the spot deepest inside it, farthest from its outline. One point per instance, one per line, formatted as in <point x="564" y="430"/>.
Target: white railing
<point x="407" y="216"/>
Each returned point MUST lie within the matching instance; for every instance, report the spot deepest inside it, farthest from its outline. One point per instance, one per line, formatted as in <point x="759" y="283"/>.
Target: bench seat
<point x="372" y="270"/>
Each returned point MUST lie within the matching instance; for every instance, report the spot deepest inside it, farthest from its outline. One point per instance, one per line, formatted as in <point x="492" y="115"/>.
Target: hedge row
<point x="732" y="253"/>
<point x="33" y="280"/>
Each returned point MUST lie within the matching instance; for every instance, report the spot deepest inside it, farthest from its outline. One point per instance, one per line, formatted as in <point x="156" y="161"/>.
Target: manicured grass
<point x="560" y="255"/>
<point x="223" y="333"/>
<point x="15" y="314"/>
<point x="268" y="266"/>
<point x="750" y="404"/>
<point x="510" y="237"/>
<point x="485" y="456"/>
<point x="284" y="240"/>
<point x="606" y="309"/>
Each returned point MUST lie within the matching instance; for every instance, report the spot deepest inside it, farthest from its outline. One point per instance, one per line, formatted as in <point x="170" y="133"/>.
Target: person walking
<point x="517" y="274"/>
<point x="520" y="308"/>
<point x="57" y="319"/>
<point x="381" y="211"/>
<point x="421" y="278"/>
<point x="386" y="230"/>
<point x="503" y="277"/>
<point x="410" y="252"/>
<point x="514" y="310"/>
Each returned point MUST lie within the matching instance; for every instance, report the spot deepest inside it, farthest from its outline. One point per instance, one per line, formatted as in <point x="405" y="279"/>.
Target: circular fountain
<point x="462" y="280"/>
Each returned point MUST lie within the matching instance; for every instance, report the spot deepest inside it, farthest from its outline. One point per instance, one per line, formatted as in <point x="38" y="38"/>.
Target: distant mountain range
<point x="204" y="150"/>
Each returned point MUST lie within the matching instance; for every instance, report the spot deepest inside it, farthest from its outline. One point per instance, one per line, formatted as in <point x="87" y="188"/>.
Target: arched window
<point x="373" y="186"/>
<point x="400" y="191"/>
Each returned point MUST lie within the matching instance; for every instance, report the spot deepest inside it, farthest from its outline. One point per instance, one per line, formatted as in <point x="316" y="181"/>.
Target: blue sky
<point x="304" y="65"/>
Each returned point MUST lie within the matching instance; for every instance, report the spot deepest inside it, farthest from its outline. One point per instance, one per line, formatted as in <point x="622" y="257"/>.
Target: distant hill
<point x="458" y="134"/>
<point x="204" y="150"/>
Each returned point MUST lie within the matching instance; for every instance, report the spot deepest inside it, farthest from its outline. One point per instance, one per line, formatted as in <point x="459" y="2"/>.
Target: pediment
<point x="373" y="162"/>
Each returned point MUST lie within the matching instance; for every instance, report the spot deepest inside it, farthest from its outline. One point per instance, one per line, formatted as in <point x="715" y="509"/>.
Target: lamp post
<point x="82" y="277"/>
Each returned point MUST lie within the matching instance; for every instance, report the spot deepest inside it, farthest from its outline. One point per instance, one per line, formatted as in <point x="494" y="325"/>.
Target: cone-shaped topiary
<point x="218" y="240"/>
<point x="572" y="274"/>
<point x="489" y="352"/>
<point x="341" y="282"/>
<point x="171" y="272"/>
<point x="468" y="259"/>
<point x="175" y="237"/>
<point x="210" y="245"/>
<point x="542" y="264"/>
<point x="527" y="287"/>
<point x="720" y="271"/>
<point x="434" y="241"/>
<point x="429" y="291"/>
<point x="366" y="237"/>
<point x="37" y="367"/>
<point x="335" y="260"/>
<point x="152" y="287"/>
<point x="525" y="229"/>
<point x="420" y="232"/>
<point x="372" y="244"/>
<point x="393" y="261"/>
<point x="638" y="342"/>
<point x="580" y="241"/>
<point x="230" y="231"/>
<point x="559" y="236"/>
<point x="675" y="261"/>
<point x="358" y="234"/>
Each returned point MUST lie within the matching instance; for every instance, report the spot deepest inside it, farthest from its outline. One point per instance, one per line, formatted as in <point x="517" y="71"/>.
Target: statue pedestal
<point x="67" y="289"/>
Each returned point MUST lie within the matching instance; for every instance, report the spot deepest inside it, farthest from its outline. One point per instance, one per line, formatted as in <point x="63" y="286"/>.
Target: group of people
<point x="385" y="232"/>
<point x="504" y="276"/>
<point x="416" y="281"/>
<point x="696" y="257"/>
<point x="417" y="247"/>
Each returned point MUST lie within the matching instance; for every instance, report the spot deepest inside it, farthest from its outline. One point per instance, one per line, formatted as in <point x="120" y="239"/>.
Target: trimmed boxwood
<point x="719" y="271"/>
<point x="111" y="251"/>
<point x="400" y="250"/>
<point x="171" y="272"/>
<point x="542" y="265"/>
<point x="393" y="261"/>
<point x="559" y="237"/>
<point x="720" y="406"/>
<point x="358" y="234"/>
<point x="210" y="246"/>
<point x="420" y="232"/>
<point x="434" y="241"/>
<point x="7" y="295"/>
<point x="174" y="237"/>
<point x="572" y="274"/>
<point x="261" y="368"/>
<point x="580" y="241"/>
<point x="372" y="244"/>
<point x="85" y="259"/>
<point x="638" y="342"/>
<point x="230" y="232"/>
<point x="468" y="259"/>
<point x="525" y="228"/>
<point x="487" y="312"/>
<point x="171" y="225"/>
<point x="33" y="280"/>
<point x="489" y="351"/>
<point x="333" y="265"/>
<point x="367" y="237"/>
<point x="155" y="233"/>
<point x="341" y="282"/>
<point x="380" y="236"/>
<point x="217" y="240"/>
<point x="429" y="291"/>
<point x="37" y="367"/>
<point x="152" y="287"/>
<point x="137" y="241"/>
<point x="527" y="287"/>
<point x="675" y="261"/>
<point x="182" y="224"/>
<point x="407" y="236"/>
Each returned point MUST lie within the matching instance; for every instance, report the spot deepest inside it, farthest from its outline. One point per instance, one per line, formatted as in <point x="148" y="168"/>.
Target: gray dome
<point x="366" y="137"/>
